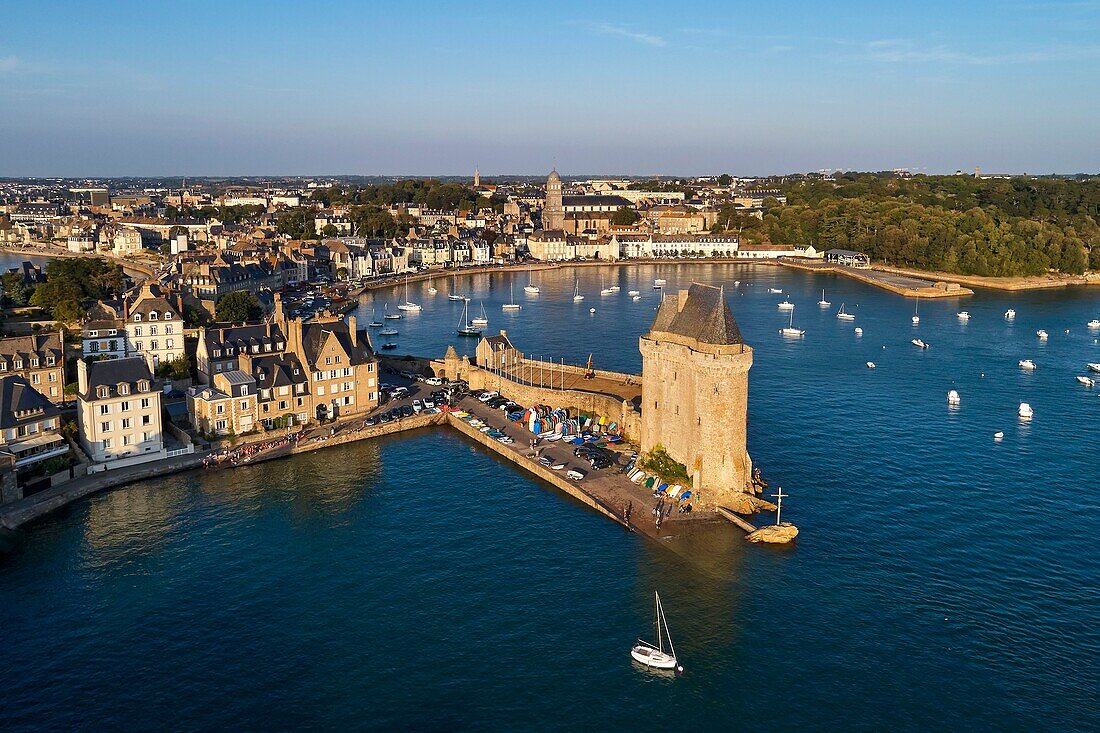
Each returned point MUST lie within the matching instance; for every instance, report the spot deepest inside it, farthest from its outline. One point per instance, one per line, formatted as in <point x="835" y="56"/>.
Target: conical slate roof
<point x="702" y="314"/>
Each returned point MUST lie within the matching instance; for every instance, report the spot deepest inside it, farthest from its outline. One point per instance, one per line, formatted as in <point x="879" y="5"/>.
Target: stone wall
<point x="695" y="404"/>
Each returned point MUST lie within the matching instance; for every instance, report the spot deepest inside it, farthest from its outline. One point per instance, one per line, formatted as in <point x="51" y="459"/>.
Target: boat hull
<point x="650" y="657"/>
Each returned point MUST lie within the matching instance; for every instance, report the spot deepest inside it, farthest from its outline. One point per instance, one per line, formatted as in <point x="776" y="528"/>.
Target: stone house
<point x="119" y="412"/>
<point x="38" y="358"/>
<point x="227" y="407"/>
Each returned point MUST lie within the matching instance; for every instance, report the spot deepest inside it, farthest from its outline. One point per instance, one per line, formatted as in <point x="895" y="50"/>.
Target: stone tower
<point x="553" y="215"/>
<point x="477" y="177"/>
<point x="695" y="384"/>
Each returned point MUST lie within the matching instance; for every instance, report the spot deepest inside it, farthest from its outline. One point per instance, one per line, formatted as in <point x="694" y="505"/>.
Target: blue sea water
<point x="942" y="580"/>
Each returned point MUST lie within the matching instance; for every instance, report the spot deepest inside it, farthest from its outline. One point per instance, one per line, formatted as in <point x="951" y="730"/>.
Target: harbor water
<point x="942" y="579"/>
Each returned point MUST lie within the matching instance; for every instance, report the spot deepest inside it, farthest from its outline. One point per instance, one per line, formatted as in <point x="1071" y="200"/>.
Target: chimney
<point x="683" y="299"/>
<point x="82" y="376"/>
<point x="352" y="331"/>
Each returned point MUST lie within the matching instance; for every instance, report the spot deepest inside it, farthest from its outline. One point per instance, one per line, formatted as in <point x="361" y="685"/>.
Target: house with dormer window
<point x="154" y="324"/>
<point x="119" y="412"/>
<point x="38" y="358"/>
<point x="29" y="423"/>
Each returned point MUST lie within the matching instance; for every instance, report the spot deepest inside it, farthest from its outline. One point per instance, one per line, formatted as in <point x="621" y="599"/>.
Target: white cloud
<point x="902" y="50"/>
<point x="649" y="39"/>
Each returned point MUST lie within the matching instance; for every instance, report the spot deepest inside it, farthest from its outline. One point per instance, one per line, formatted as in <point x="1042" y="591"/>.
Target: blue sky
<point x="194" y="88"/>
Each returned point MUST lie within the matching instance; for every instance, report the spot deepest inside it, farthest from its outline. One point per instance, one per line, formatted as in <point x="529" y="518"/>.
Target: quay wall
<point x="874" y="276"/>
<point x="537" y="470"/>
<point x="614" y="408"/>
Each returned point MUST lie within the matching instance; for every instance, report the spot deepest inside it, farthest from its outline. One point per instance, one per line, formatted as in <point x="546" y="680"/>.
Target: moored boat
<point x="654" y="654"/>
<point x="481" y="320"/>
<point x="845" y="316"/>
<point x="786" y="305"/>
<point x="963" y="316"/>
<point x="1042" y="334"/>
<point x="823" y="303"/>
<point x="1010" y="314"/>
<point x="1087" y="381"/>
<point x="919" y="343"/>
<point x="1027" y="365"/>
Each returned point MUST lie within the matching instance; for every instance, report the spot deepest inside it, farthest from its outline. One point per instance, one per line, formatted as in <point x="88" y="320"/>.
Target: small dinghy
<point x="1087" y="381"/>
<point x="1043" y="335"/>
<point x="654" y="655"/>
<point x="870" y="365"/>
<point x="775" y="290"/>
<point x="919" y="344"/>
<point x="1094" y="324"/>
<point x="859" y="331"/>
<point x="1027" y="365"/>
<point x="963" y="316"/>
<point x="633" y="293"/>
<point x="998" y="435"/>
<point x="1010" y="314"/>
<point x="388" y="332"/>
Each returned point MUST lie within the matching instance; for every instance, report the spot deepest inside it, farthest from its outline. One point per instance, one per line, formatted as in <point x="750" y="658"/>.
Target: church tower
<point x="553" y="215"/>
<point x="477" y="177"/>
<point x="695" y="389"/>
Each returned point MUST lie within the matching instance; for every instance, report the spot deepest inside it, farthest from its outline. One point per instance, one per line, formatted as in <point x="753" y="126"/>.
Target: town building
<point x="497" y="352"/>
<point x="38" y="358"/>
<point x="848" y="258"/>
<point x="154" y="324"/>
<point x="119" y="412"/>
<point x="103" y="333"/>
<point x="228" y="407"/>
<point x="30" y="425"/>
<point x="695" y="377"/>
<point x="220" y="348"/>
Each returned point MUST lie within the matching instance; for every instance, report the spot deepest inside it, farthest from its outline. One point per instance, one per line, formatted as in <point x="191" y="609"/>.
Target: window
<point x="168" y="344"/>
<point x="220" y="425"/>
<point x="145" y="403"/>
<point x="146" y="420"/>
<point x="105" y="427"/>
<point x="145" y="438"/>
<point x="137" y="318"/>
<point x="103" y="391"/>
<point x="282" y="404"/>
<point x="18" y="363"/>
<point x="244" y="404"/>
<point x="220" y="409"/>
<point x="35" y="379"/>
<point x="126" y="440"/>
<point x="328" y="360"/>
<point x="106" y="444"/>
<point x="244" y="391"/>
<point x="53" y="376"/>
<point x="34" y="362"/>
<point x="320" y="390"/>
<point x="104" y="409"/>
<point x="169" y="329"/>
<point x="125" y="423"/>
<point x="137" y="346"/>
<point x="152" y="315"/>
<point x="167" y="315"/>
<point x="124" y="406"/>
<point x="152" y="330"/>
<point x="153" y="345"/>
<point x="124" y="389"/>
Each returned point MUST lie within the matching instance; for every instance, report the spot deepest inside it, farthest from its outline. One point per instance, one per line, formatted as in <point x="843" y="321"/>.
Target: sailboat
<point x="454" y="291"/>
<point x="652" y="655"/>
<point x="482" y="320"/>
<point x="603" y="289"/>
<point x="530" y="288"/>
<point x="845" y="316"/>
<point x="431" y="288"/>
<point x="389" y="316"/>
<point x="786" y="305"/>
<point x="577" y="297"/>
<point x="408" y="305"/>
<point x="790" y="330"/>
<point x="511" y="305"/>
<point x="374" y="322"/>
<point x="916" y="317"/>
<point x="823" y="303"/>
<point x="465" y="326"/>
<point x="388" y="331"/>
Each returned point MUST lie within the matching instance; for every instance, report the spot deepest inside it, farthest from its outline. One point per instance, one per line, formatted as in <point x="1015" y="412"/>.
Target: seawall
<point x="918" y="286"/>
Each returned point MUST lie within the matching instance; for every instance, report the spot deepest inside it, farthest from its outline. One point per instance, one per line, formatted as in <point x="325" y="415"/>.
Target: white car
<point x="434" y="381"/>
<point x="417" y="406"/>
<point x="428" y="404"/>
<point x="488" y="396"/>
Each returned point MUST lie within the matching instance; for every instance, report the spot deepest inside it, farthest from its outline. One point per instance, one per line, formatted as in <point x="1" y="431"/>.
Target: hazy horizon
<point x="207" y="89"/>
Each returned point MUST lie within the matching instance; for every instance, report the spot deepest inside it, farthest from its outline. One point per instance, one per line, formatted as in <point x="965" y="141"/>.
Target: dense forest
<point x="960" y="224"/>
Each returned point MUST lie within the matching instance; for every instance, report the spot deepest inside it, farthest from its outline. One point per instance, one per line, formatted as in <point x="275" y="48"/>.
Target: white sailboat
<point x="786" y="305"/>
<point x="845" y="316"/>
<point x="916" y="316"/>
<point x="511" y="305"/>
<point x="790" y="330"/>
<point x="530" y="288"/>
<point x="455" y="295"/>
<point x="374" y="322"/>
<point x="604" y="290"/>
<point x="481" y="320"/>
<point x="431" y="288"/>
<point x="577" y="297"/>
<point x="465" y="326"/>
<point x="823" y="303"/>
<point x="654" y="655"/>
<point x="408" y="305"/>
<point x="389" y="316"/>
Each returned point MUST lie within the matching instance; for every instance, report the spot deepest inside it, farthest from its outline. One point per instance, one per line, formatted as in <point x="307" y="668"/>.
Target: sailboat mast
<point x="657" y="621"/>
<point x="661" y="609"/>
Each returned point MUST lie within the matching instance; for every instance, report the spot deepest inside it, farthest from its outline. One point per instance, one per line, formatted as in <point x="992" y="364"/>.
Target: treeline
<point x="960" y="224"/>
<point x="368" y="220"/>
<point x="70" y="282"/>
<point x="430" y="193"/>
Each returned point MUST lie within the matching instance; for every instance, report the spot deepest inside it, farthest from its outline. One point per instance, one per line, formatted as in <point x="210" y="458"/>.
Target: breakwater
<point x="909" y="285"/>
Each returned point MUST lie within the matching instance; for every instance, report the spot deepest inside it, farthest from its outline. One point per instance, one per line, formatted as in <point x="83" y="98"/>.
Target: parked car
<point x="428" y="404"/>
<point x="407" y="411"/>
<point x="434" y="381"/>
<point x="400" y="392"/>
<point x="599" y="462"/>
<point x="417" y="406"/>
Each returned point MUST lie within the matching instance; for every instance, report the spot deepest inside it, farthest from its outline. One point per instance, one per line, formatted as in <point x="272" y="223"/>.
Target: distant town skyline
<point x="337" y="88"/>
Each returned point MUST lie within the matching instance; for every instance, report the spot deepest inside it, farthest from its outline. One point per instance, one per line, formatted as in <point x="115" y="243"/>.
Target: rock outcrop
<point x="746" y="504"/>
<point x="775" y="534"/>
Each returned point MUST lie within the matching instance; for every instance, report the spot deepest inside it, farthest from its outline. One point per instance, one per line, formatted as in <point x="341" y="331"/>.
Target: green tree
<point x="240" y="306"/>
<point x="624" y="217"/>
<point x="329" y="230"/>
<point x="15" y="290"/>
<point x="725" y="179"/>
<point x="176" y="369"/>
